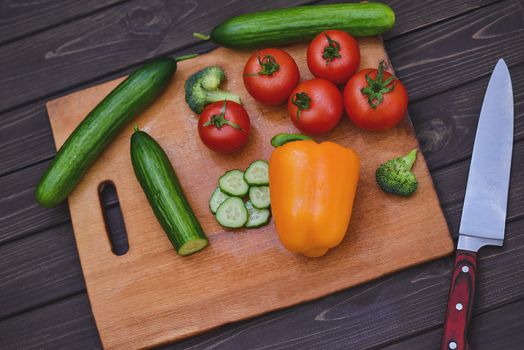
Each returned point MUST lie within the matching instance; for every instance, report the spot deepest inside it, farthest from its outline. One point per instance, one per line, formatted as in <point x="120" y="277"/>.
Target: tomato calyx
<point x="331" y="51"/>
<point x="269" y="65"/>
<point x="219" y="120"/>
<point x="377" y="88"/>
<point x="302" y="101"/>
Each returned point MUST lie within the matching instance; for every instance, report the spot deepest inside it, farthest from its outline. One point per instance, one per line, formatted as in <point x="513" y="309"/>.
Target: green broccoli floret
<point x="395" y="176"/>
<point x="202" y="89"/>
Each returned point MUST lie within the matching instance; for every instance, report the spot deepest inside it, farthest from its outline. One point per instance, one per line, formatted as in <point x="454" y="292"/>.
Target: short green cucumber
<point x="160" y="184"/>
<point x="302" y="23"/>
<point x="100" y="126"/>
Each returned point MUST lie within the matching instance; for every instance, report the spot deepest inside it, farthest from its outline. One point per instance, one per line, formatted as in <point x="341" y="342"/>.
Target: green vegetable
<point x="232" y="213"/>
<point x="256" y="217"/>
<point x="218" y="197"/>
<point x="257" y="173"/>
<point x="160" y="184"/>
<point x="281" y="139"/>
<point x="259" y="196"/>
<point x="232" y="183"/>
<point x="303" y="23"/>
<point x="202" y="88"/>
<point x="395" y="175"/>
<point x="100" y="126"/>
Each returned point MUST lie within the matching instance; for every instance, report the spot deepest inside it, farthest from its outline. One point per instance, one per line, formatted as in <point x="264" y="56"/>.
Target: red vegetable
<point x="375" y="99"/>
<point x="224" y="126"/>
<point x="270" y="75"/>
<point x="333" y="55"/>
<point x="315" y="106"/>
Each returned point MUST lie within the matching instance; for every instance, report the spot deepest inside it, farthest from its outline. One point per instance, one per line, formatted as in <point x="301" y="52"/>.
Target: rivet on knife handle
<point x="460" y="304"/>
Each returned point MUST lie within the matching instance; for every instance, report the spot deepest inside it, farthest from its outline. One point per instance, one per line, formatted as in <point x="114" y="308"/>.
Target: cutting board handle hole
<point x="114" y="221"/>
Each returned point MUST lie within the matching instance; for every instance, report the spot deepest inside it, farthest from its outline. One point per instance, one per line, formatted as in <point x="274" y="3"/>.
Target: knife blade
<point x="483" y="219"/>
<point x="484" y="212"/>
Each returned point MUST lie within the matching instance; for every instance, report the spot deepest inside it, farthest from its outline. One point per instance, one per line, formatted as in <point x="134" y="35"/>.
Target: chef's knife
<point x="484" y="213"/>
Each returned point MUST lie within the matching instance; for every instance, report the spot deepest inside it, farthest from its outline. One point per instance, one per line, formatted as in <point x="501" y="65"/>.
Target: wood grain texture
<point x="99" y="44"/>
<point x="39" y="269"/>
<point x="149" y="283"/>
<point x="445" y="123"/>
<point x="491" y="32"/>
<point x="27" y="127"/>
<point x="364" y="317"/>
<point x="67" y="324"/>
<point x="30" y="142"/>
<point x="19" y="18"/>
<point x="487" y="333"/>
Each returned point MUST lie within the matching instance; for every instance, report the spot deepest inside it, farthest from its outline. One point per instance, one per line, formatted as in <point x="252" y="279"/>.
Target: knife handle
<point x="460" y="302"/>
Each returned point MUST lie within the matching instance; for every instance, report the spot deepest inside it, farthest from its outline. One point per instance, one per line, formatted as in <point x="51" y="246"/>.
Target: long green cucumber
<point x="160" y="184"/>
<point x="100" y="126"/>
<point x="302" y="23"/>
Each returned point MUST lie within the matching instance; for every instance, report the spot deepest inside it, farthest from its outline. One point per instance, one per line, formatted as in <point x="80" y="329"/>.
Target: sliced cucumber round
<point x="232" y="213"/>
<point x="217" y="198"/>
<point x="259" y="196"/>
<point x="256" y="217"/>
<point x="257" y="173"/>
<point x="233" y="184"/>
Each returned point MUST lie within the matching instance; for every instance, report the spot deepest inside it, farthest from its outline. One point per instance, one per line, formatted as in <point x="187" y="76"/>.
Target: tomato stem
<point x="331" y="51"/>
<point x="219" y="120"/>
<point x="377" y="88"/>
<point x="302" y="101"/>
<point x="269" y="65"/>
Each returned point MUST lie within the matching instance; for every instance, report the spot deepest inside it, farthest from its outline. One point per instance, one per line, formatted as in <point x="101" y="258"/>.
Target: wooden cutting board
<point x="151" y="296"/>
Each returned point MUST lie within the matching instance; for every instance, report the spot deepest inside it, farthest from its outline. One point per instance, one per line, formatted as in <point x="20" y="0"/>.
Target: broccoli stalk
<point x="202" y="88"/>
<point x="395" y="176"/>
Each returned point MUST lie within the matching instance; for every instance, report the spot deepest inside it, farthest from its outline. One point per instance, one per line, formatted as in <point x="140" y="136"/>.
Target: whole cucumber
<point x="100" y="126"/>
<point x="160" y="184"/>
<point x="302" y="23"/>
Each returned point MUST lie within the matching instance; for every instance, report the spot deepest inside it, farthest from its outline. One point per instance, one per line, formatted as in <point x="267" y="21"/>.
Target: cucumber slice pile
<point x="242" y="198"/>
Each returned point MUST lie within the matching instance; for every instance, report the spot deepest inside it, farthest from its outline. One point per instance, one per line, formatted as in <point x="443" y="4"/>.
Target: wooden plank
<point x="39" y="269"/>
<point x="451" y="53"/>
<point x="24" y="17"/>
<point x="67" y="324"/>
<point x="500" y="329"/>
<point x="446" y="123"/>
<point x="413" y="15"/>
<point x="93" y="46"/>
<point x="452" y="178"/>
<point x="104" y="42"/>
<point x="21" y="214"/>
<point x="364" y="317"/>
<point x="27" y="127"/>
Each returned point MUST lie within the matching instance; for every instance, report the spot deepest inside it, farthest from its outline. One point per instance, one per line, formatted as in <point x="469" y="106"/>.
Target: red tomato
<point x="315" y="106"/>
<point x="270" y="75"/>
<point x="224" y="126"/>
<point x="376" y="105"/>
<point x="333" y="55"/>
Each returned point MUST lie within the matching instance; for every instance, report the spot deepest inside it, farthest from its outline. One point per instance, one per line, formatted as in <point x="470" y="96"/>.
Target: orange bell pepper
<point x="312" y="188"/>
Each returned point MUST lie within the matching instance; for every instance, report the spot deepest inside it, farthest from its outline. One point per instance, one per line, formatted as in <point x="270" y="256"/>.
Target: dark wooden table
<point x="443" y="51"/>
